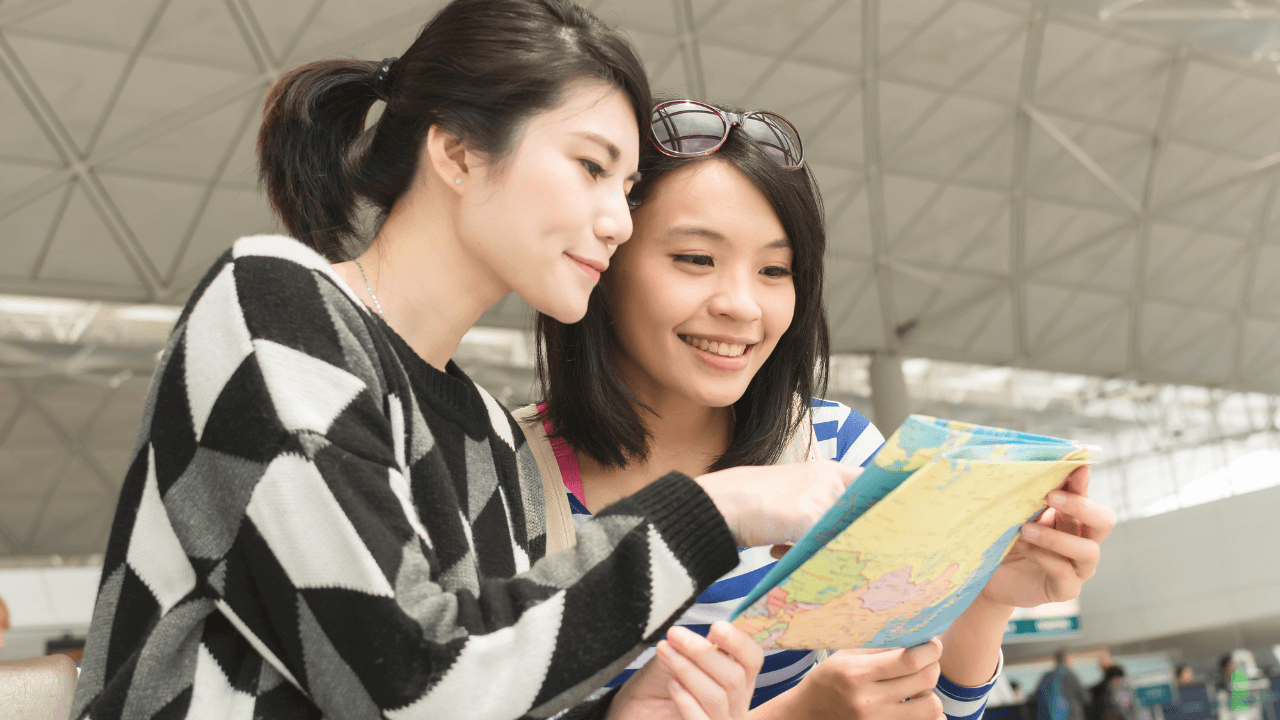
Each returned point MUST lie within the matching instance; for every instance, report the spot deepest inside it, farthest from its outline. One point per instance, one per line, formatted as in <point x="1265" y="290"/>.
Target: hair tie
<point x="382" y="76"/>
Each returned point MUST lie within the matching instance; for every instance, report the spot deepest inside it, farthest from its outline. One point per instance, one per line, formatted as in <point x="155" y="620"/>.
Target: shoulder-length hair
<point x="588" y="405"/>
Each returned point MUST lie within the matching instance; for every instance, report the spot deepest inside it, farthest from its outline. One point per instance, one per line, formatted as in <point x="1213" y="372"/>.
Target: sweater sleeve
<point x="361" y="582"/>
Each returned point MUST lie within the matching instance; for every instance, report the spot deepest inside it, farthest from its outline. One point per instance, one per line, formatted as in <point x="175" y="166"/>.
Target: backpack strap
<point x="560" y="532"/>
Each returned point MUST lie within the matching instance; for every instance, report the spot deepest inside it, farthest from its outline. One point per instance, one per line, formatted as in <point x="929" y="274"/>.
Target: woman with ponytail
<point x="324" y="517"/>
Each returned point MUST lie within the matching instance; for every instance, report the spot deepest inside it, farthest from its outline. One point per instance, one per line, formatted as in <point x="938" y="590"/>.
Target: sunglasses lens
<point x="685" y="128"/>
<point x="776" y="137"/>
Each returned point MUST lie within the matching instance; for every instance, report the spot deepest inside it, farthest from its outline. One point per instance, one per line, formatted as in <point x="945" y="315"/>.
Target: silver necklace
<point x="369" y="287"/>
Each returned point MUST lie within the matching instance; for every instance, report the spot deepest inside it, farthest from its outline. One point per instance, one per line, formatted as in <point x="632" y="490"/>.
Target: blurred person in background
<point x="1183" y="675"/>
<point x="1114" y="699"/>
<point x="1059" y="695"/>
<point x="4" y="620"/>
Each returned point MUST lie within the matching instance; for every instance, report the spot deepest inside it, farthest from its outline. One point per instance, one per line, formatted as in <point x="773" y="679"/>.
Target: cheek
<point x="779" y="310"/>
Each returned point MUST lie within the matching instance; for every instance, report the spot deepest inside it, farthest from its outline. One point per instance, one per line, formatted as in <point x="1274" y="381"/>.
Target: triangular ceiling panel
<point x="23" y="233"/>
<point x="1096" y="74"/>
<point x="1079" y="246"/>
<point x="119" y="24"/>
<point x="1266" y="284"/>
<point x="23" y="137"/>
<point x="1233" y="207"/>
<point x="1194" y="266"/>
<point x="230" y="214"/>
<point x="836" y="42"/>
<point x="978" y="51"/>
<point x="83" y="249"/>
<point x="72" y="407"/>
<point x="1261" y="359"/>
<point x="161" y="93"/>
<point x="655" y="17"/>
<point x="28" y="473"/>
<point x="768" y="27"/>
<point x="1053" y="170"/>
<point x="1071" y="326"/>
<point x="925" y="132"/>
<point x="729" y="71"/>
<point x="201" y="32"/>
<point x="341" y="27"/>
<point x="981" y="326"/>
<point x="78" y="99"/>
<point x="853" y="306"/>
<point x="848" y="227"/>
<point x="283" y="21"/>
<point x="958" y="227"/>
<point x="16" y="177"/>
<point x="1186" y="171"/>
<point x="137" y="198"/>
<point x="192" y="151"/>
<point x="1189" y="344"/>
<point x="1228" y="109"/>
<point x="804" y="94"/>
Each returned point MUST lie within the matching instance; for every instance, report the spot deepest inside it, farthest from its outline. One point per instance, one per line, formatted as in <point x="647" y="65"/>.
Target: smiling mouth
<point x="716" y="348"/>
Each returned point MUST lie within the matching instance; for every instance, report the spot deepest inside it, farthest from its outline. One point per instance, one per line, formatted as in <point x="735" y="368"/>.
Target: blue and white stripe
<point x="842" y="435"/>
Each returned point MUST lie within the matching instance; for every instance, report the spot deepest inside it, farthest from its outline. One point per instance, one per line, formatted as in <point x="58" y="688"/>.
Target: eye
<point x="593" y="168"/>
<point x="703" y="260"/>
<point x="776" y="271"/>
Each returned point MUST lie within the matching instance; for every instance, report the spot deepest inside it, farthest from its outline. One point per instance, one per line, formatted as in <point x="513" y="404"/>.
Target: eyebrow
<point x="609" y="147"/>
<point x="708" y="233"/>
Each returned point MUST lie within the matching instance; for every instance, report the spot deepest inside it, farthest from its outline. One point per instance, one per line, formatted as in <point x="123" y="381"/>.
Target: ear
<point x="446" y="156"/>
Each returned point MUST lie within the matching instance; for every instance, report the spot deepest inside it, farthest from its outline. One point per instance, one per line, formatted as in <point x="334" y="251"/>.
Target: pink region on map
<point x="891" y="590"/>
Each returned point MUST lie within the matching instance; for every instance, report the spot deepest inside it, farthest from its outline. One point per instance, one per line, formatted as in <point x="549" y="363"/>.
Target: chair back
<point x="40" y="688"/>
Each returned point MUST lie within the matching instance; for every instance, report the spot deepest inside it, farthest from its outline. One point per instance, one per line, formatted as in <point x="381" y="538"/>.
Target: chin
<point x="718" y="398"/>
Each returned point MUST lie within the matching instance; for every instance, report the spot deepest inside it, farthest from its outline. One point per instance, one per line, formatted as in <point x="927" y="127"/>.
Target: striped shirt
<point x="843" y="435"/>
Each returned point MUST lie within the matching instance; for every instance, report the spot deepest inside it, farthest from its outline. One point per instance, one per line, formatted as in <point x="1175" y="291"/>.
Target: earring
<point x="457" y="181"/>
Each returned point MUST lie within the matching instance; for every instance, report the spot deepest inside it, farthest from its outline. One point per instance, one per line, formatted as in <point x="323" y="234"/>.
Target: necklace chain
<point x="369" y="287"/>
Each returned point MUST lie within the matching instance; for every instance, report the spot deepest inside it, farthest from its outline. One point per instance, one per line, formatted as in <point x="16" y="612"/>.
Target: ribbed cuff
<point x="688" y="521"/>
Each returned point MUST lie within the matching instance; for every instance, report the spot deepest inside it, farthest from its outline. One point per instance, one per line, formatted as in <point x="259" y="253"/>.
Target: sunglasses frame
<point x="729" y="119"/>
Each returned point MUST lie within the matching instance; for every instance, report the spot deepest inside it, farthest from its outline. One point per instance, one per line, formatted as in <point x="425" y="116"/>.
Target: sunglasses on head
<point x="688" y="128"/>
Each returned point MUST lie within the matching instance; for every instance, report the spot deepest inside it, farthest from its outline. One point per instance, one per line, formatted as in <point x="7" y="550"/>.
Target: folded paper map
<point x="912" y="541"/>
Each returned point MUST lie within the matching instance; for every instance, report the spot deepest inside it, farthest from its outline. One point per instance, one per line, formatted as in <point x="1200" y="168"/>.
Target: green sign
<point x="1027" y="628"/>
<point x="1161" y="694"/>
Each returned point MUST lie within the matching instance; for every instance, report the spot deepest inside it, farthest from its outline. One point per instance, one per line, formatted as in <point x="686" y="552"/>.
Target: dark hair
<point x="589" y="406"/>
<point x="479" y="69"/>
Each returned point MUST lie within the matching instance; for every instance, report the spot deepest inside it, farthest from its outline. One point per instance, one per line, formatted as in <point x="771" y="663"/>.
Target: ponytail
<point x="479" y="69"/>
<point x="312" y="120"/>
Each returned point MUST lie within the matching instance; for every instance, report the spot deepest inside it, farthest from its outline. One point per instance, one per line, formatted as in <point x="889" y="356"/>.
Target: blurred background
<point x="1053" y="216"/>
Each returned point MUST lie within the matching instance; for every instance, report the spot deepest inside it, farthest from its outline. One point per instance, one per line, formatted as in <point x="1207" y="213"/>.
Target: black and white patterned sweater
<point x="318" y="523"/>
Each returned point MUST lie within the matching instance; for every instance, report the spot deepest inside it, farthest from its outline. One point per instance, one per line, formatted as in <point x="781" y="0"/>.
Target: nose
<point x="735" y="297"/>
<point x="613" y="223"/>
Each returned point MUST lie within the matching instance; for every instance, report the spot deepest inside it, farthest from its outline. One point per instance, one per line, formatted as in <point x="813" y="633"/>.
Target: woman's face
<point x="546" y="221"/>
<point x="703" y="291"/>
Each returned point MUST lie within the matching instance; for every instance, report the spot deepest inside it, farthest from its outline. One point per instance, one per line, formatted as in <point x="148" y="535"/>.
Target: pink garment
<point x="566" y="460"/>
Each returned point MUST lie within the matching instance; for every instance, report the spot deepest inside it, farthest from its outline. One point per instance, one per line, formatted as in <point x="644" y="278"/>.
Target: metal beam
<point x="1138" y="287"/>
<point x="1082" y="156"/>
<point x="1017" y="283"/>
<point x="871" y="145"/>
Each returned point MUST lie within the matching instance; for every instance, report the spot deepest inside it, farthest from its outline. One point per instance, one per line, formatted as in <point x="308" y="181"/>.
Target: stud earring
<point x="457" y="181"/>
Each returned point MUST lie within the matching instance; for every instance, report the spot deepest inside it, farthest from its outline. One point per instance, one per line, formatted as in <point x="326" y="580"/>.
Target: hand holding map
<point x="936" y="510"/>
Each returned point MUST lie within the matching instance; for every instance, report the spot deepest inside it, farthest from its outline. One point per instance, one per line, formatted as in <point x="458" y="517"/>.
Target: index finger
<point x="908" y="661"/>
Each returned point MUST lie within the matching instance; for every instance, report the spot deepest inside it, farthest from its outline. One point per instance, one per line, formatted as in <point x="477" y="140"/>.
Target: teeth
<point x="715" y="348"/>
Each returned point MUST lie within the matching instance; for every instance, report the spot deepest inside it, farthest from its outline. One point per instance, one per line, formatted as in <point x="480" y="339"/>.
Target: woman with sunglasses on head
<point x="696" y="351"/>
<point x="324" y="516"/>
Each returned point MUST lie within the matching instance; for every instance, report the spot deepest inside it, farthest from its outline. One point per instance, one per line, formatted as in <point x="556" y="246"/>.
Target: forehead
<point x="715" y="195"/>
<point x="590" y="108"/>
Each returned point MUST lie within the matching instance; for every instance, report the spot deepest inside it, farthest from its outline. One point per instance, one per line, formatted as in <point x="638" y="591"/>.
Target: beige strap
<point x="560" y="532"/>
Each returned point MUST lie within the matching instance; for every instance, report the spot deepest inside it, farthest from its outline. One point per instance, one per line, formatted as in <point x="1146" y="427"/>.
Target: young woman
<point x="705" y="333"/>
<point x="326" y="517"/>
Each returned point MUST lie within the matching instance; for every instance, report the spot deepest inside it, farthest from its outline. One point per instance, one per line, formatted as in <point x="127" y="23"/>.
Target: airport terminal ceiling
<point x="1076" y="186"/>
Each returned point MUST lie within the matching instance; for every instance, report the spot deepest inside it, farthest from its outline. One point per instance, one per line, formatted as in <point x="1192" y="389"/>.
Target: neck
<point x="431" y="288"/>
